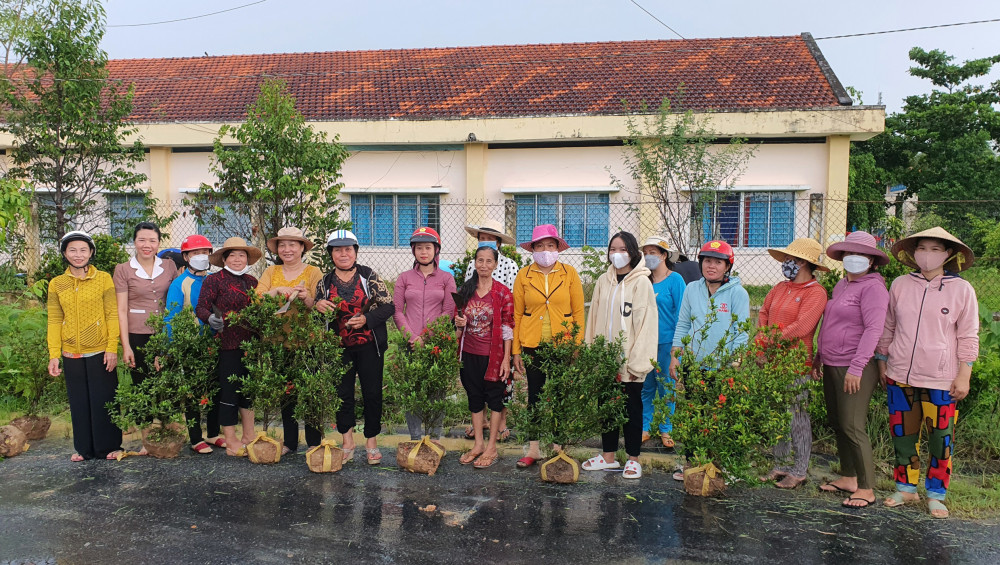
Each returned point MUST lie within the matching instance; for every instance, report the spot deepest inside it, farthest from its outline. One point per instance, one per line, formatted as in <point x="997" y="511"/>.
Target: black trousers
<point x="90" y="387"/>
<point x="534" y="376"/>
<point x="364" y="364"/>
<point x="291" y="429"/>
<point x="229" y="399"/>
<point x="193" y="417"/>
<point x="632" y="430"/>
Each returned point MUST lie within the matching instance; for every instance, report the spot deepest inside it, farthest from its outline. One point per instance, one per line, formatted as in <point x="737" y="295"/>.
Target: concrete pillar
<point x="159" y="187"/>
<point x="835" y="213"/>
<point x="475" y="185"/>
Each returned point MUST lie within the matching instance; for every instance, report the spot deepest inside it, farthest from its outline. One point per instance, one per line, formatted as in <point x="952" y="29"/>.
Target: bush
<point x="733" y="405"/>
<point x="421" y="380"/>
<point x="581" y="396"/>
<point x="181" y="375"/>
<point x="24" y="355"/>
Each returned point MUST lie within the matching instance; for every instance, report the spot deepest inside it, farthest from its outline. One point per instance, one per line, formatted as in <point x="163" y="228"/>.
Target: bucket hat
<point x="288" y="234"/>
<point x="858" y="242"/>
<point x="545" y="231"/>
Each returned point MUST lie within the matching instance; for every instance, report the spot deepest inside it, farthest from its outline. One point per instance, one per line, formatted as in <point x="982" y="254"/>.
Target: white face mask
<point x="652" y="262"/>
<point x="619" y="260"/>
<point x="199" y="262"/>
<point x="545" y="258"/>
<point x="856" y="264"/>
<point x="240" y="272"/>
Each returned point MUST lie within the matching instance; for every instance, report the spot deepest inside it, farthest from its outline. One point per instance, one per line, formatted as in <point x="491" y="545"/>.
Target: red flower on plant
<point x="289" y="388"/>
<point x="204" y="400"/>
<point x="436" y="350"/>
<point x="722" y="399"/>
<point x="731" y="382"/>
<point x="705" y="431"/>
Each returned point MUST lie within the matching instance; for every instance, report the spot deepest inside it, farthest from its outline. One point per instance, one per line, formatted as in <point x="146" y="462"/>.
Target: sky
<point x="876" y="65"/>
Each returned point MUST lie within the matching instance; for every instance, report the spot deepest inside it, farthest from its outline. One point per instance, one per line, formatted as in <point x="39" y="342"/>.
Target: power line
<point x="901" y="30"/>
<point x="191" y="17"/>
<point x="662" y="23"/>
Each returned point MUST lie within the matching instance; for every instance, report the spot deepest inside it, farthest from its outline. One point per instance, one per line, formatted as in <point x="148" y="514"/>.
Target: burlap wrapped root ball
<point x="13" y="442"/>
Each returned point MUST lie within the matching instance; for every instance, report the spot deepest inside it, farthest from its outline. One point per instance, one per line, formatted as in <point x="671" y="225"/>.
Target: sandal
<point x="830" y="487"/>
<point x="374" y="455"/>
<point x="114" y="455"/>
<point x="678" y="475"/>
<point x="897" y="499"/>
<point x="597" y="463"/>
<point x="216" y="441"/>
<point x="285" y="450"/>
<point x="526" y="462"/>
<point x="348" y="455"/>
<point x="241" y="452"/>
<point x="937" y="508"/>
<point x="503" y="435"/>
<point x="632" y="467"/>
<point x="76" y="458"/>
<point x="646" y="437"/>
<point x="470" y="433"/>
<point x="790" y="482"/>
<point x="867" y="503"/>
<point x="469" y="457"/>
<point x="484" y="461"/>
<point x="202" y="448"/>
<point x="667" y="441"/>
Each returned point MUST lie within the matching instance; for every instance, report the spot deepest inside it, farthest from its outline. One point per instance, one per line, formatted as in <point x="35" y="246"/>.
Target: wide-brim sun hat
<point x="233" y="244"/>
<point x="289" y="234"/>
<point x="490" y="227"/>
<point x="860" y="242"/>
<point x="662" y="242"/>
<point x="963" y="258"/>
<point x="805" y="248"/>
<point x="545" y="231"/>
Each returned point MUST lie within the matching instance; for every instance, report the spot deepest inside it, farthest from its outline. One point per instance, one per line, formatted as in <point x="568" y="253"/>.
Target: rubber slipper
<point x="285" y="450"/>
<point x="934" y="505"/>
<point x="217" y="442"/>
<point x="830" y="487"/>
<point x="76" y="458"/>
<point x="646" y="437"/>
<point x="470" y="433"/>
<point x="374" y="455"/>
<point x="202" y="448"/>
<point x="469" y="457"/>
<point x="503" y="435"/>
<point x="482" y="463"/>
<point x="113" y="456"/>
<point x="896" y="499"/>
<point x="526" y="462"/>
<point x="866" y="504"/>
<point x="667" y="441"/>
<point x="634" y="467"/>
<point x="678" y="475"/>
<point x="241" y="452"/>
<point x="597" y="463"/>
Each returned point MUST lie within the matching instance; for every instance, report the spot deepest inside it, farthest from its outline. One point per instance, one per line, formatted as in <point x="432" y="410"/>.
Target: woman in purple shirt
<point x="852" y="326"/>
<point x="422" y="295"/>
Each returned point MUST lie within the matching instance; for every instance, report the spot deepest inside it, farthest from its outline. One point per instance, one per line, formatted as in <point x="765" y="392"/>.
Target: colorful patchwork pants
<point x="909" y="409"/>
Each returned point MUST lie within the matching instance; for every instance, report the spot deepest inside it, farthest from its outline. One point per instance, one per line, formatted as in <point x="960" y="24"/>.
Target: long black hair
<point x="631" y="246"/>
<point x="469" y="286"/>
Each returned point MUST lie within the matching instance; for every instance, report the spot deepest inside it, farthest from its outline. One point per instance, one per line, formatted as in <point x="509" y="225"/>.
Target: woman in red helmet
<point x="183" y="293"/>
<point x="422" y="295"/>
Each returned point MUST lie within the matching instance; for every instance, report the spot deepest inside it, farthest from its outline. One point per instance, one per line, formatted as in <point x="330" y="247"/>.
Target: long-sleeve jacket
<point x="503" y="326"/>
<point x="183" y="292"/>
<point x="852" y="322"/>
<point x="379" y="304"/>
<point x="931" y="327"/>
<point x="627" y="307"/>
<point x="796" y="308"/>
<point x="228" y="293"/>
<point x="563" y="302"/>
<point x="420" y="300"/>
<point x="730" y="299"/>
<point x="83" y="314"/>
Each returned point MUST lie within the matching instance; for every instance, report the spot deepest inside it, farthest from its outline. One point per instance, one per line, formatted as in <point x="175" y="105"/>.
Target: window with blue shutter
<point x="746" y="219"/>
<point x="581" y="218"/>
<point x="388" y="220"/>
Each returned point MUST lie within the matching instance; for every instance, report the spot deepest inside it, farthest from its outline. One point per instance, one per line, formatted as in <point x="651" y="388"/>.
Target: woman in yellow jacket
<point x="83" y="332"/>
<point x="546" y="293"/>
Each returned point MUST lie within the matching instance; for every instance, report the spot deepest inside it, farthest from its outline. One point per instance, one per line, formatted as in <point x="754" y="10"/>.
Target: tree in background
<point x="68" y="120"/>
<point x="17" y="17"/>
<point x="679" y="165"/>
<point x="282" y="173"/>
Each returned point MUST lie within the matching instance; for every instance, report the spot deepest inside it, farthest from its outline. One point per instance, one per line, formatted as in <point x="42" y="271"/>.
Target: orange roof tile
<point x="493" y="82"/>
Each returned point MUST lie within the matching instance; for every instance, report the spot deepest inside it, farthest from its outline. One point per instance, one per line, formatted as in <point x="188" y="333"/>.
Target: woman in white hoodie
<point x="624" y="303"/>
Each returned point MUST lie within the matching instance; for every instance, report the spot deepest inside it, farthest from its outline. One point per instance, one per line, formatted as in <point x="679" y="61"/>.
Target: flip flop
<point x="667" y="441"/>
<point x="934" y="505"/>
<point x="503" y="435"/>
<point x="241" y="452"/>
<point x="830" y="487"/>
<point x="113" y="456"/>
<point x="866" y="504"/>
<point x="202" y="448"/>
<point x="469" y="457"/>
<point x="484" y="464"/>
<point x="526" y="462"/>
<point x="76" y="458"/>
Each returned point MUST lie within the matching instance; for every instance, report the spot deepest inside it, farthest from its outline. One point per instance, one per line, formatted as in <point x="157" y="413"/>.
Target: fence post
<point x="159" y="184"/>
<point x="32" y="242"/>
<point x="838" y="163"/>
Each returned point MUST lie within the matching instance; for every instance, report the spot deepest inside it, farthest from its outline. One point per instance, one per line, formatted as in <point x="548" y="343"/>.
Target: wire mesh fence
<point x="752" y="222"/>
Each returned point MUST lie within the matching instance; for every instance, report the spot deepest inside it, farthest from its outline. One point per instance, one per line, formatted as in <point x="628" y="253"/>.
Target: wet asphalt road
<point x="218" y="509"/>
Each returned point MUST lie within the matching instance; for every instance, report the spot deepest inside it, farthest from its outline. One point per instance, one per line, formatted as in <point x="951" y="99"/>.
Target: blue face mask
<point x="490" y="244"/>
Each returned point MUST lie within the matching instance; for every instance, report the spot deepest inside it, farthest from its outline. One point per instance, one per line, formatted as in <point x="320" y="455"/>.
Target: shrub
<point x="421" y="377"/>
<point x="181" y="375"/>
<point x="24" y="354"/>
<point x="735" y="401"/>
<point x="581" y="396"/>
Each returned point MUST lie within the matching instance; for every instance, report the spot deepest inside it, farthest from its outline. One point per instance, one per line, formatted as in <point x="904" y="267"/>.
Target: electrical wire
<point x="233" y="9"/>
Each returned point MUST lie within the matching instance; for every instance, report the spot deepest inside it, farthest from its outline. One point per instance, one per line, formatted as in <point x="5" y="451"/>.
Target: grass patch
<point x="985" y="280"/>
<point x="757" y="293"/>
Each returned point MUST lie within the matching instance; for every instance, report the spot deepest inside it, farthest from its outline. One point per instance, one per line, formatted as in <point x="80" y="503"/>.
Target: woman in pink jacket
<point x="925" y="356"/>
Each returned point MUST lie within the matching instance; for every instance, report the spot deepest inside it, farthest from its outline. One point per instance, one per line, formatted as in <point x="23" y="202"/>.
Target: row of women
<point x="868" y="334"/>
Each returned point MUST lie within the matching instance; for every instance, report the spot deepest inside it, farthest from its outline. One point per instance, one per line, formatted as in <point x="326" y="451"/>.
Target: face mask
<point x="652" y="262"/>
<point x="790" y="269"/>
<point x="929" y="260"/>
<point x="619" y="260"/>
<point x="545" y="258"/>
<point x="199" y="262"/>
<point x="856" y="264"/>
<point x="240" y="272"/>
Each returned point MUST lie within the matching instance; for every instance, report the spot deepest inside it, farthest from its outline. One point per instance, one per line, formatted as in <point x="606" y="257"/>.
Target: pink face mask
<point x="929" y="260"/>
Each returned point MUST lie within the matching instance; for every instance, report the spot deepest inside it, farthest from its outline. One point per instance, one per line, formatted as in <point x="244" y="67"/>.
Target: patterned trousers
<point x="910" y="408"/>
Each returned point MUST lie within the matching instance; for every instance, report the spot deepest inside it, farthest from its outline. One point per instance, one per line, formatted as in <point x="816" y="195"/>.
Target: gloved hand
<point x="216" y="322"/>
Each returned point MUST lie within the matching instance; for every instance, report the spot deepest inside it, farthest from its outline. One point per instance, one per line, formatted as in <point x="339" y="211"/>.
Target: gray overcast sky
<point x="875" y="64"/>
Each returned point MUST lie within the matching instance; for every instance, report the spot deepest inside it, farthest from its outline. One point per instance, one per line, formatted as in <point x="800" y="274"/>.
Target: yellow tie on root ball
<point x="562" y="476"/>
<point x="264" y="449"/>
<point x="325" y="458"/>
<point x="408" y="456"/>
<point x="711" y="481"/>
